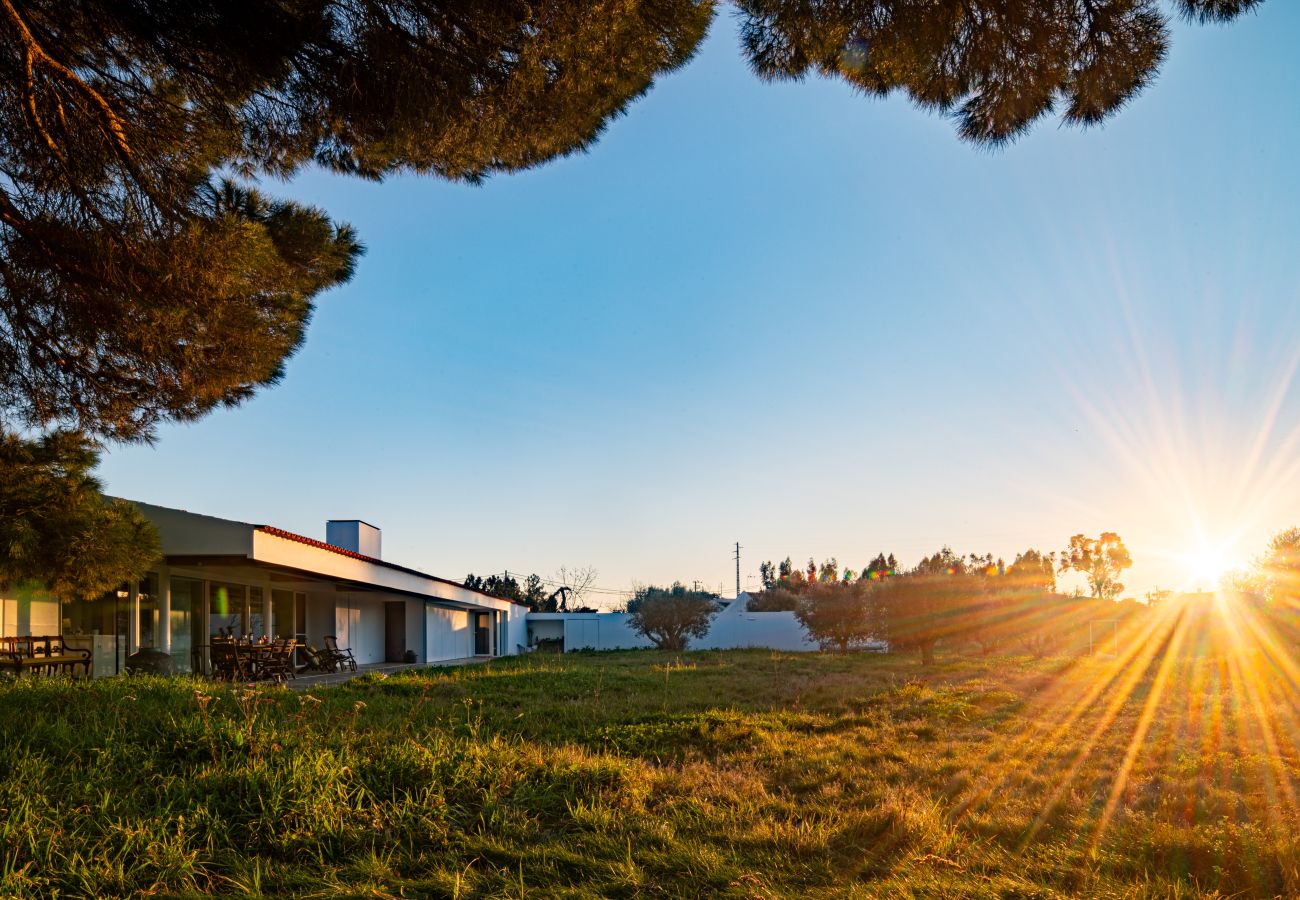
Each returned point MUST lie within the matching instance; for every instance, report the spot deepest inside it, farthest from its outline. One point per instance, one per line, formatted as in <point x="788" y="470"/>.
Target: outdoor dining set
<point x="275" y="659"/>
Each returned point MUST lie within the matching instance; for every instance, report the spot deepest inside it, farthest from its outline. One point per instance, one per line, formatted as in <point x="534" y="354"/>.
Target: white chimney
<point x="355" y="535"/>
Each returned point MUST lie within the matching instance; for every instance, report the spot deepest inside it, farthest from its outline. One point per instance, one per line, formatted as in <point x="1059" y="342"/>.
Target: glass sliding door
<point x="226" y="615"/>
<point x="150" y="632"/>
<point x="282" y="614"/>
<point x="187" y="604"/>
<point x="257" y="613"/>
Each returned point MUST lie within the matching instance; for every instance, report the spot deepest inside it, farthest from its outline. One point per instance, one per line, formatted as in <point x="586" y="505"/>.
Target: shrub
<point x="670" y="618"/>
<point x="837" y="616"/>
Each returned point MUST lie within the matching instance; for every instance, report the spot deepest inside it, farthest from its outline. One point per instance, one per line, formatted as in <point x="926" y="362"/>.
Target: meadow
<point x="715" y="774"/>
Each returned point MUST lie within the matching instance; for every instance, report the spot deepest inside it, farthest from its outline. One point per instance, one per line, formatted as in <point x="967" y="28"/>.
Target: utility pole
<point x="737" y="569"/>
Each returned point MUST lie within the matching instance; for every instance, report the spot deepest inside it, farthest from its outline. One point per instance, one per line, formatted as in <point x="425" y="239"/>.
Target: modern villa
<point x="218" y="576"/>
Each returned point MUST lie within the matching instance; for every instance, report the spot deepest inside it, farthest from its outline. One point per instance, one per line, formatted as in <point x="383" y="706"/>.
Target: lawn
<point x="737" y="774"/>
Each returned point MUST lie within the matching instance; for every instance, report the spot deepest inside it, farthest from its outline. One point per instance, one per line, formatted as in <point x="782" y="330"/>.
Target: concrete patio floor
<point x="330" y="679"/>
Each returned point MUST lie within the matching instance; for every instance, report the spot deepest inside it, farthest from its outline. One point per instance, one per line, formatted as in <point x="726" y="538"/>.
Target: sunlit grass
<point x="1168" y="770"/>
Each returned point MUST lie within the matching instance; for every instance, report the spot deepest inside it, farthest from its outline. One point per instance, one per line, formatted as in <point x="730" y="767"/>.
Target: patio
<point x="330" y="679"/>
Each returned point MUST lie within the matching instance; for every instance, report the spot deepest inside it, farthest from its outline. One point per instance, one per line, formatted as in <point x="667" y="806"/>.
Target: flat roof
<point x="186" y="534"/>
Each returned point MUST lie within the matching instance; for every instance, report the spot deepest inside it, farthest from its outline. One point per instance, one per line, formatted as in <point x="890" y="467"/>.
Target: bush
<point x="774" y="600"/>
<point x="670" y="618"/>
<point x="837" y="616"/>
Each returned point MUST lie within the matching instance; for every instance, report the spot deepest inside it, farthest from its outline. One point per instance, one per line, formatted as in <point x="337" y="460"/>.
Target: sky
<point x="810" y="322"/>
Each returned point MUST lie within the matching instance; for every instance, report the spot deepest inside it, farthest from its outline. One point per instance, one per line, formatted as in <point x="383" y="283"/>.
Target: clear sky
<point x="813" y="323"/>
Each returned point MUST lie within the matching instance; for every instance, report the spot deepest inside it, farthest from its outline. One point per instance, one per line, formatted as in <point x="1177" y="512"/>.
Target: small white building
<point x="222" y="576"/>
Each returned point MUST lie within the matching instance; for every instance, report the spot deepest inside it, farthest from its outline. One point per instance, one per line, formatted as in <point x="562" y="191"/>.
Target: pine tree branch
<point x="34" y="54"/>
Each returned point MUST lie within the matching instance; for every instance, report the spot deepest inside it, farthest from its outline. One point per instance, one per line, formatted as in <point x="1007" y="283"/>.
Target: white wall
<point x="602" y="631"/>
<point x="359" y="626"/>
<point x="447" y="634"/>
<point x="368" y="631"/>
<point x="732" y="628"/>
<point x="516" y="630"/>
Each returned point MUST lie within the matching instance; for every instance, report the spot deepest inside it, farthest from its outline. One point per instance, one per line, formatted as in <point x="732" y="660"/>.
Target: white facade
<point x="447" y="634"/>
<point x="733" y="627"/>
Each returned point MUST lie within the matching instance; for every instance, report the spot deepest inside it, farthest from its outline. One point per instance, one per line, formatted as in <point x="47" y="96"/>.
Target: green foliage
<point x="940" y="600"/>
<point x="57" y="529"/>
<point x="531" y="593"/>
<point x="734" y="774"/>
<point x="838" y="616"/>
<point x="996" y="66"/>
<point x="671" y="617"/>
<point x="1101" y="560"/>
<point x="1279" y="569"/>
<point x="880" y="567"/>
<point x="1033" y="571"/>
<point x="778" y="599"/>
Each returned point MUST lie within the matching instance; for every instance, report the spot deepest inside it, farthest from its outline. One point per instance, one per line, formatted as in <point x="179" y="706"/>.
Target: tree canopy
<point x="57" y="529"/>
<point x="670" y="617"/>
<point x="1100" y="560"/>
<point x="996" y="66"/>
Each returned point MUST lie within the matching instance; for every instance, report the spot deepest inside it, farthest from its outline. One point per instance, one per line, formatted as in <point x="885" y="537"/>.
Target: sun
<point x="1207" y="564"/>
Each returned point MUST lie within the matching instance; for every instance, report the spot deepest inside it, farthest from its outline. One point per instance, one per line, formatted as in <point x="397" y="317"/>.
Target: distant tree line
<point x="565" y="595"/>
<point x="949" y="599"/>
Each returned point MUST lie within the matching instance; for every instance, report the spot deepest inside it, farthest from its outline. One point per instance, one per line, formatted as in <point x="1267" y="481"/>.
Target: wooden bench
<point x="42" y="653"/>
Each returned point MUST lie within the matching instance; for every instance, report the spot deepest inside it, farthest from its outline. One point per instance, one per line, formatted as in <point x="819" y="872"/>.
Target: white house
<point x="222" y="576"/>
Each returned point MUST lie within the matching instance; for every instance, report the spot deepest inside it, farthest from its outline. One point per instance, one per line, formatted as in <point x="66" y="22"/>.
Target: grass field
<point x="740" y="774"/>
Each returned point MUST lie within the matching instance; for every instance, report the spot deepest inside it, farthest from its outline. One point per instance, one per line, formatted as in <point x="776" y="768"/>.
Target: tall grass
<point x="744" y="773"/>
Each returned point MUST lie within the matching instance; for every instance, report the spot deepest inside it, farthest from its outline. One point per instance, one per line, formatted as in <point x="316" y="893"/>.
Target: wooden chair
<point x="341" y="656"/>
<point x="228" y="662"/>
<point x="277" y="661"/>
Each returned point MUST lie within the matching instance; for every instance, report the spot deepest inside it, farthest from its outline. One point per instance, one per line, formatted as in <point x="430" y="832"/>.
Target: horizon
<point x="636" y="357"/>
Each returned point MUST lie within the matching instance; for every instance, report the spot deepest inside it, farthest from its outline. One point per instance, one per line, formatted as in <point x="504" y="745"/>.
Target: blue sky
<point x="813" y="323"/>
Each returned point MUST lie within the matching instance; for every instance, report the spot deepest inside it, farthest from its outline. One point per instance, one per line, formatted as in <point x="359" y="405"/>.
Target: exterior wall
<point x="516" y="630"/>
<point x="586" y="631"/>
<point x="741" y="629"/>
<point x="360" y="624"/>
<point x="447" y="634"/>
<point x="732" y="628"/>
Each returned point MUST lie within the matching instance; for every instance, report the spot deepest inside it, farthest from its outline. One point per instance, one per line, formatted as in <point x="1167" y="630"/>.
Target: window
<point x="226" y="615"/>
<point x="187" y="605"/>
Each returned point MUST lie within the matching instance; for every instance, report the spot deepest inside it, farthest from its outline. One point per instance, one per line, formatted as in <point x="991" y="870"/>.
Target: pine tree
<point x="56" y="527"/>
<point x="997" y="66"/>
